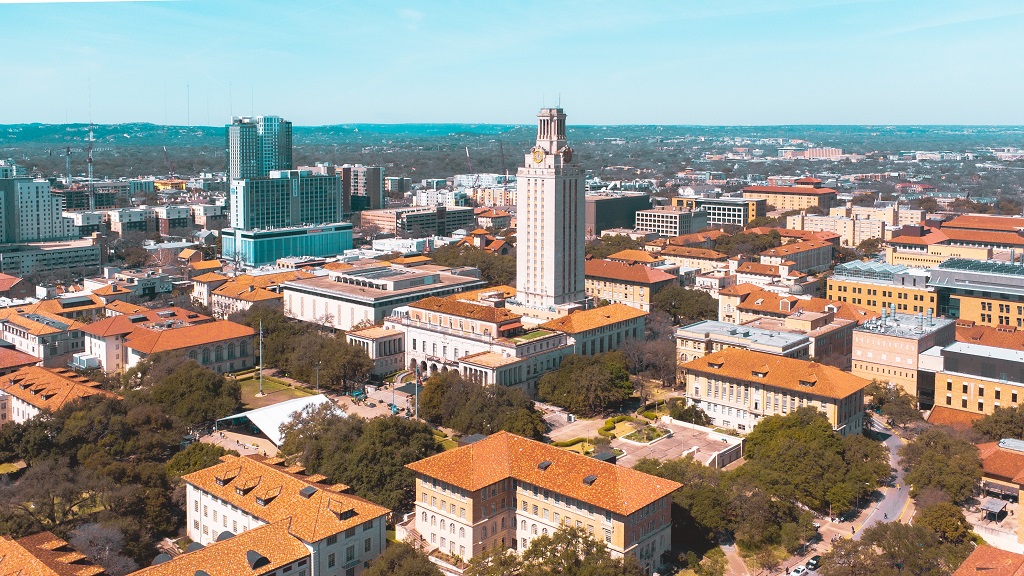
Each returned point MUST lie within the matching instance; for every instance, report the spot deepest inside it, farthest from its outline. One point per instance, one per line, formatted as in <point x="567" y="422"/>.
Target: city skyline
<point x="782" y="62"/>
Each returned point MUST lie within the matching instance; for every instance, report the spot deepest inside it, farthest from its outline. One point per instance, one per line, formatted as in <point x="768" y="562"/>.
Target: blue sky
<point x="623" y="62"/>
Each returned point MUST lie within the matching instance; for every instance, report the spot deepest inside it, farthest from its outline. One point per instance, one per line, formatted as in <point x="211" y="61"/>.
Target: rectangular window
<point x="350" y="552"/>
<point x="330" y="560"/>
<point x="367" y="545"/>
<point x="332" y="540"/>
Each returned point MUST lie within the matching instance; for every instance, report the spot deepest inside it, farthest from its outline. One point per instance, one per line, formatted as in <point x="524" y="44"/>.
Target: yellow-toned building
<point x="738" y="388"/>
<point x="890" y="349"/>
<point x="702" y="259"/>
<point x="876" y="286"/>
<point x="787" y="198"/>
<point x="631" y="284"/>
<point x="734" y="211"/>
<point x="505" y="491"/>
<point x="931" y="256"/>
<point x="989" y="293"/>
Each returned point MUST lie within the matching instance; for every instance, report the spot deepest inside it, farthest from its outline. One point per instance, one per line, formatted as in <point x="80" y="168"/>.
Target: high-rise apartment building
<point x="285" y="198"/>
<point x="257" y="145"/>
<point x="363" y="187"/>
<point x="29" y="212"/>
<point x="551" y="219"/>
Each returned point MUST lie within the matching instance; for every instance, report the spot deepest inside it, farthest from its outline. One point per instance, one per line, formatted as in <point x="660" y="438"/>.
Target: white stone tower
<point x="550" y="220"/>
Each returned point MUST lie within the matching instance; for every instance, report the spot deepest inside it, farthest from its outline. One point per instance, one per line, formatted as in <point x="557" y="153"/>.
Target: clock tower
<point x="550" y="221"/>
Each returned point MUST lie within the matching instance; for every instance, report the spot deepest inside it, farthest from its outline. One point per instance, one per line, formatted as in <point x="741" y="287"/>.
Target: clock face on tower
<point x="538" y="155"/>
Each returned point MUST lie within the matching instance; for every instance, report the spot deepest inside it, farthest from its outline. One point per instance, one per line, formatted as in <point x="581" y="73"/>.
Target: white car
<point x="798" y="570"/>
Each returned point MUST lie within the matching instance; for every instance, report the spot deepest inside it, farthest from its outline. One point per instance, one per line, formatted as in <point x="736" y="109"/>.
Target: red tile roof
<point x="956" y="419"/>
<point x="766" y="302"/>
<point x="128" y="323"/>
<point x="49" y="388"/>
<point x="798" y="190"/>
<point x="153" y="341"/>
<point x="43" y="554"/>
<point x="1000" y="463"/>
<point x="586" y="320"/>
<point x="621" y="272"/>
<point x="931" y="236"/>
<point x="312" y="519"/>
<point x="688" y="252"/>
<point x="502" y="455"/>
<point x="7" y="282"/>
<point x="11" y="358"/>
<point x="796" y="248"/>
<point x="1003" y="337"/>
<point x="984" y="238"/>
<point x="778" y="371"/>
<point x="454" y="307"/>
<point x="986" y="223"/>
<point x="987" y="560"/>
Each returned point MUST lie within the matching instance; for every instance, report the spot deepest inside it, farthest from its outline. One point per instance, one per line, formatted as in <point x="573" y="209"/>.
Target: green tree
<point x="369" y="455"/>
<point x="605" y="246"/>
<point x="1003" y="422"/>
<point x="569" y="551"/>
<point x="588" y="385"/>
<point x="893" y="549"/>
<point x="896" y="404"/>
<point x="685" y="411"/>
<point x="196" y="394"/>
<point x="196" y="457"/>
<point x="939" y="458"/>
<point x="748" y="243"/>
<point x="946" y="520"/>
<point x="400" y="558"/>
<point x="870" y="247"/>
<point x="685" y="305"/>
<point x="494" y="268"/>
<point x="471" y="408"/>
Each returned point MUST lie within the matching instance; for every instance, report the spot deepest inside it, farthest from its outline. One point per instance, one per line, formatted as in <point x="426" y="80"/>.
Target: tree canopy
<point x="1003" y="422"/>
<point x="748" y="243"/>
<point x="895" y="549"/>
<point x="401" y="559"/>
<point x="588" y="385"/>
<point x="942" y="459"/>
<point x="569" y="551"/>
<point x="449" y="400"/>
<point x="605" y="246"/>
<point x="895" y="403"/>
<point x="494" y="268"/>
<point x="685" y="305"/>
<point x="369" y="455"/>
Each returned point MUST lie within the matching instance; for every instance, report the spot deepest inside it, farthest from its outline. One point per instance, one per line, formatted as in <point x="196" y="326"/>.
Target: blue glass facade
<point x="256" y="248"/>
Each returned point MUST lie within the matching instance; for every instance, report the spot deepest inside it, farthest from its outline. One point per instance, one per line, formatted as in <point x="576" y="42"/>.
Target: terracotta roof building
<point x="15" y="288"/>
<point x="34" y="389"/>
<point x="242" y="292"/>
<point x="702" y="259"/>
<point x="12" y="359"/>
<point x="742" y="303"/>
<point x="288" y="514"/>
<point x="988" y="560"/>
<point x="105" y="340"/>
<point x="1002" y="471"/>
<point x="737" y="388"/>
<point x="811" y="256"/>
<point x="222" y="346"/>
<point x="630" y="284"/>
<point x="44" y="554"/>
<point x="787" y="198"/>
<point x="51" y="338"/>
<point x="505" y="491"/>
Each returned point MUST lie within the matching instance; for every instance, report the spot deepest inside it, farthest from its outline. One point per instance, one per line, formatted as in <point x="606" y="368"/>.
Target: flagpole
<point x="261" y="357"/>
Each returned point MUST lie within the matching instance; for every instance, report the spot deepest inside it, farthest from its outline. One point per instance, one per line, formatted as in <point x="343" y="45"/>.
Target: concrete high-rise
<point x="30" y="212"/>
<point x="551" y="220"/>
<point x="257" y="145"/>
<point x="363" y="187"/>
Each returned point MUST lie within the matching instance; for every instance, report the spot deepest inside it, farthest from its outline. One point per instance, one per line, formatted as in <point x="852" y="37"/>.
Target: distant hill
<point x="438" y="150"/>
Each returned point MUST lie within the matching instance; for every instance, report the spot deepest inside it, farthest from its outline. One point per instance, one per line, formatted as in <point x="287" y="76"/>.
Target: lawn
<point x="8" y="467"/>
<point x="531" y="335"/>
<point x="623" y="428"/>
<point x="274" y="391"/>
<point x="648" y="434"/>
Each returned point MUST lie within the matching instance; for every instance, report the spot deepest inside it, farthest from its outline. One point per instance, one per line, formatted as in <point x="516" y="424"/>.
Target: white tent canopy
<point x="270" y="418"/>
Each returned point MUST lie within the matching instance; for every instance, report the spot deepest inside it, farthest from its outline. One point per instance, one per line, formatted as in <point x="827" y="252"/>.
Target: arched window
<point x="523" y="525"/>
<point x="206" y="355"/>
<point x="424" y="517"/>
<point x="193" y="356"/>
<point x="433" y="520"/>
<point x="243" y="348"/>
<point x="453" y="528"/>
<point x="231" y="351"/>
<point x="533" y="529"/>
<point x="219" y="353"/>
<point x="442" y="524"/>
<point x="544" y="531"/>
<point x="462" y="532"/>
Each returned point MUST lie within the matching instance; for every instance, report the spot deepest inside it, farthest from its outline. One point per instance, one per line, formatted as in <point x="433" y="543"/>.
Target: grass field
<point x="623" y="428"/>
<point x="7" y="468"/>
<point x="274" y="391"/>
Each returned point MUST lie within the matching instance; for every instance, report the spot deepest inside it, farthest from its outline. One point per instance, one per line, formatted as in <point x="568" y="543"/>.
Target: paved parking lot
<point x="683" y="439"/>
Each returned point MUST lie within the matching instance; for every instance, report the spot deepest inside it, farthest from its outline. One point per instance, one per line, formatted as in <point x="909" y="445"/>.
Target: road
<point x="895" y="503"/>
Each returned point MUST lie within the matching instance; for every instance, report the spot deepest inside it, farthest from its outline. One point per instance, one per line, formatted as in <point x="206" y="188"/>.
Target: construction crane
<point x="67" y="162"/>
<point x="170" y="163"/>
<point x="469" y="160"/>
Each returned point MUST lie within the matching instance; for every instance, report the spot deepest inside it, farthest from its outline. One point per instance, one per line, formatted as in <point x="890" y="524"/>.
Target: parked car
<point x="798" y="570"/>
<point x="814" y="563"/>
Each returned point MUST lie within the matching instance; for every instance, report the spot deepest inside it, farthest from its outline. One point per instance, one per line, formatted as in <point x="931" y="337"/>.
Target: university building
<point x="505" y="491"/>
<point x="737" y="388"/>
<point x="876" y="286"/>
